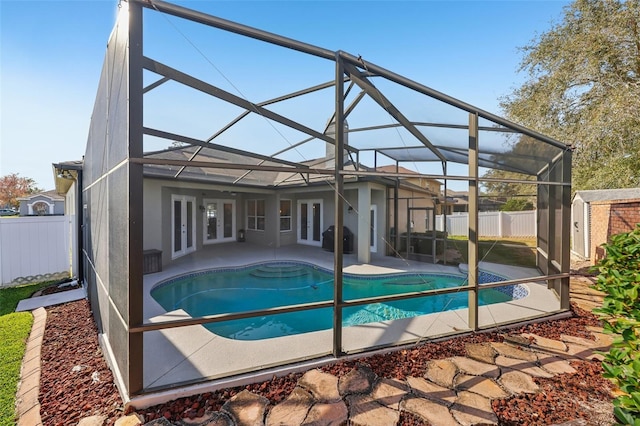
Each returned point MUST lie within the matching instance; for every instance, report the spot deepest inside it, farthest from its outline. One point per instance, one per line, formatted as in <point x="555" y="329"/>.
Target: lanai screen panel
<point x="265" y="141"/>
<point x="106" y="194"/>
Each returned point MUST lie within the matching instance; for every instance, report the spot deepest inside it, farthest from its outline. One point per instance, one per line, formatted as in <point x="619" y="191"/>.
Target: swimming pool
<point x="273" y="284"/>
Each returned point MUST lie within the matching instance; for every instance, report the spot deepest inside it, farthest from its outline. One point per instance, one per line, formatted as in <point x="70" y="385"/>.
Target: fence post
<point x="500" y="223"/>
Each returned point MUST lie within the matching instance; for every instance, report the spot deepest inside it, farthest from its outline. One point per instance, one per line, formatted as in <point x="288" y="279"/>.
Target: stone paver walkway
<point x="33" y="303"/>
<point x="27" y="404"/>
<point x="453" y="391"/>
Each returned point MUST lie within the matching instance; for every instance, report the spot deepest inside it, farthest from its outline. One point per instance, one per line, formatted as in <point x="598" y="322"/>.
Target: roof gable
<point x="51" y="195"/>
<point x="608" y="194"/>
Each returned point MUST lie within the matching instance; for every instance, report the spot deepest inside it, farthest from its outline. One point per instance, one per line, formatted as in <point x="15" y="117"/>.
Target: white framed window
<point x="285" y="215"/>
<point x="255" y="215"/>
<point x="41" y="208"/>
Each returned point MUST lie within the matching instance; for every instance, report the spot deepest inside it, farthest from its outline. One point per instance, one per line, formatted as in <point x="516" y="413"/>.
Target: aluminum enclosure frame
<point x="114" y="171"/>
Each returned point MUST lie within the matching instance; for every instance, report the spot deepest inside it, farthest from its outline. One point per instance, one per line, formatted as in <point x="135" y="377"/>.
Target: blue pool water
<point x="276" y="284"/>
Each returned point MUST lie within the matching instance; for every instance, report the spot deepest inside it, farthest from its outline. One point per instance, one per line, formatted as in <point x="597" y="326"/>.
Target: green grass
<point x="10" y="296"/>
<point x="516" y="252"/>
<point x="14" y="331"/>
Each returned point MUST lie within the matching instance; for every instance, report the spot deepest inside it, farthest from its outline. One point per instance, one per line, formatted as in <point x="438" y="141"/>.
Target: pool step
<point x="410" y="281"/>
<point x="280" y="271"/>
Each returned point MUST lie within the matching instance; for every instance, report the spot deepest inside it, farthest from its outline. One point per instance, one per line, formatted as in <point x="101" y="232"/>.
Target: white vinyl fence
<point x="492" y="224"/>
<point x="34" y="249"/>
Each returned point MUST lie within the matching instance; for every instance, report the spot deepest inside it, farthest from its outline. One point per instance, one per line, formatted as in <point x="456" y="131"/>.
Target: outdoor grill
<point x="328" y="238"/>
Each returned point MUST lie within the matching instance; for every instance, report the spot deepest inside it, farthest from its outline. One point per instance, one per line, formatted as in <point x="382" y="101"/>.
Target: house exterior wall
<point x="609" y="218"/>
<point x="157" y="199"/>
<point x="270" y="235"/>
<point x="153" y="208"/>
<point x="70" y="211"/>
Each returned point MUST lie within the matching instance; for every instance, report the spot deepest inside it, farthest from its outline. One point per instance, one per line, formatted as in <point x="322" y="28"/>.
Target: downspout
<point x="80" y="226"/>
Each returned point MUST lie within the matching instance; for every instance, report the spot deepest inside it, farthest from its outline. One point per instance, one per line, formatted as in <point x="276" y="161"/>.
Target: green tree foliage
<point x="524" y="154"/>
<point x="619" y="278"/>
<point x="14" y="186"/>
<point x="583" y="88"/>
<point x="516" y="205"/>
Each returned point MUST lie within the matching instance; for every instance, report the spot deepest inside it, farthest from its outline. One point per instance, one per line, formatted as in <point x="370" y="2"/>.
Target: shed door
<point x="578" y="230"/>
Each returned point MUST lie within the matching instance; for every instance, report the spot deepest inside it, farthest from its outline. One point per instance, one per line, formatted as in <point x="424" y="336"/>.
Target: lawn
<point x="14" y="331"/>
<point x="516" y="252"/>
<point x="12" y="295"/>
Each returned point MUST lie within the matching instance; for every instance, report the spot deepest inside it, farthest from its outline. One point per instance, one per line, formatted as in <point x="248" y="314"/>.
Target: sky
<point x="51" y="55"/>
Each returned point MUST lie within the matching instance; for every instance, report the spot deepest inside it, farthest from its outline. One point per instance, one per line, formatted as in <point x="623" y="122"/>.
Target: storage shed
<point x="599" y="214"/>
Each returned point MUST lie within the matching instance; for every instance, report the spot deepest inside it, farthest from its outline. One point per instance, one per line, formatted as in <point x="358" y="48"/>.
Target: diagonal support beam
<point x="267" y="102"/>
<point x="216" y="92"/>
<point x="364" y="83"/>
<point x="198" y="142"/>
<point x="155" y="84"/>
<point x="286" y="97"/>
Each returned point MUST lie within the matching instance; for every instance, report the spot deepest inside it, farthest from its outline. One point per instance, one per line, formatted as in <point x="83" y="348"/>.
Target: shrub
<point x="619" y="278"/>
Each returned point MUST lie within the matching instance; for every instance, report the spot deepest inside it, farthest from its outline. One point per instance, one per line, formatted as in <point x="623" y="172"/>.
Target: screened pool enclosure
<point x="214" y="146"/>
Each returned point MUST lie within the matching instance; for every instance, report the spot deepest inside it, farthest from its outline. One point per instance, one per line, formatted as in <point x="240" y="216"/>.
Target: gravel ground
<point x="77" y="383"/>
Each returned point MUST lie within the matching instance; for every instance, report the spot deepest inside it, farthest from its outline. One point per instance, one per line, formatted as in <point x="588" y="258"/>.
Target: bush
<point x="619" y="278"/>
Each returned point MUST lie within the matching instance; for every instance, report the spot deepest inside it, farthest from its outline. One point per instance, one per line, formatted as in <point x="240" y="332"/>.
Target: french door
<point x="219" y="221"/>
<point x="373" y="229"/>
<point x="310" y="222"/>
<point x="183" y="219"/>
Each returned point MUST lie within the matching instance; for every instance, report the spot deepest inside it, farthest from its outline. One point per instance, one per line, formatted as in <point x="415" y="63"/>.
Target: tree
<point x="583" y="88"/>
<point x="516" y="205"/>
<point x="13" y="187"/>
<point x="522" y="157"/>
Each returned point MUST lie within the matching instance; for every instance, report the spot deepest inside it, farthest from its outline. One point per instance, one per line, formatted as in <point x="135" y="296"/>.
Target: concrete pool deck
<point x="189" y="354"/>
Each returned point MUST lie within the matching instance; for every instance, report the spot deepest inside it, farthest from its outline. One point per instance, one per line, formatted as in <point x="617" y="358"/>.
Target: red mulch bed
<point x="70" y="340"/>
<point x="75" y="381"/>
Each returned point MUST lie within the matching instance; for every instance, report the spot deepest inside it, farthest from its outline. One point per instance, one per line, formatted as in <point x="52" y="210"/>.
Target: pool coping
<point x="192" y="351"/>
<point x="195" y="353"/>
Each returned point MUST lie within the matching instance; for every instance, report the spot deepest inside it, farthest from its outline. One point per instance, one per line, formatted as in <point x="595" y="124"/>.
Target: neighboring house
<point x="599" y="214"/>
<point x="46" y="203"/>
<point x="458" y="202"/>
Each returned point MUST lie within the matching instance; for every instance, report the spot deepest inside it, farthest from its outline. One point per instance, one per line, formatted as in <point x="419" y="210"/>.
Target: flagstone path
<point x="452" y="391"/>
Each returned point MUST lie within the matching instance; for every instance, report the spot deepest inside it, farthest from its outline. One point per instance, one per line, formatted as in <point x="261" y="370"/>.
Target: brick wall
<point x="609" y="218"/>
<point x="624" y="217"/>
